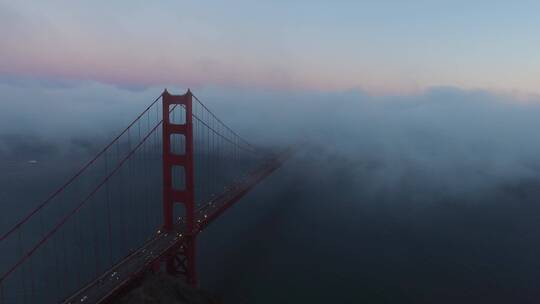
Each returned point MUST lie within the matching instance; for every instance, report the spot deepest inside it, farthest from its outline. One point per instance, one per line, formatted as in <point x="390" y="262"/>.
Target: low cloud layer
<point x="454" y="139"/>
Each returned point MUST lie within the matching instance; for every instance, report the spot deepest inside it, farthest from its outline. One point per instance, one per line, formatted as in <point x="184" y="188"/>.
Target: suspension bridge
<point x="136" y="207"/>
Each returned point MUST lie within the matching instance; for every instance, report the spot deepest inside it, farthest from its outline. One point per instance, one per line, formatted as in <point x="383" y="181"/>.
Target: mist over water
<point x="428" y="198"/>
<point x="327" y="237"/>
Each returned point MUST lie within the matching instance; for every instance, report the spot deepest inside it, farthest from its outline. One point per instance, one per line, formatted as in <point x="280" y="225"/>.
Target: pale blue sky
<point x="378" y="46"/>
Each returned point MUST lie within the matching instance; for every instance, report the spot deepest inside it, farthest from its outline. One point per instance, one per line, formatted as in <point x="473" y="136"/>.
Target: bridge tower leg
<point x="182" y="260"/>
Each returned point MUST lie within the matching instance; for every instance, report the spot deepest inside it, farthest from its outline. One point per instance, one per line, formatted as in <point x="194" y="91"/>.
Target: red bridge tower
<point x="181" y="261"/>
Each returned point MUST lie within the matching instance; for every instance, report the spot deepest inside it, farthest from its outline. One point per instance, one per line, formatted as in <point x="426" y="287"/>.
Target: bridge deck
<point x="154" y="250"/>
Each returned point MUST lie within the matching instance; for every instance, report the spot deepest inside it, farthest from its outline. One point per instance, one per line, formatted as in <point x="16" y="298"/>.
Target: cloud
<point x="451" y="138"/>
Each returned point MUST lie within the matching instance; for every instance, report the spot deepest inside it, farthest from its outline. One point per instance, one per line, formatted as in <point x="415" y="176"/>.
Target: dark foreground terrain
<point x="162" y="288"/>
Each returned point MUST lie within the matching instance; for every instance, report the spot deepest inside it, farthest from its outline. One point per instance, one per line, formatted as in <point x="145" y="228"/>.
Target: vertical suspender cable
<point x="58" y="290"/>
<point x="108" y="210"/>
<point x="127" y="233"/>
<point x="96" y="241"/>
<point x="23" y="274"/>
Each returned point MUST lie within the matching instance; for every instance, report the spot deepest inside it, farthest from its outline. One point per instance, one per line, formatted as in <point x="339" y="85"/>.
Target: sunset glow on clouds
<point x="378" y="46"/>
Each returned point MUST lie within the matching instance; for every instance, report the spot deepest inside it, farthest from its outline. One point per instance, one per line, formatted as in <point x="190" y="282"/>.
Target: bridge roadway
<point x="139" y="262"/>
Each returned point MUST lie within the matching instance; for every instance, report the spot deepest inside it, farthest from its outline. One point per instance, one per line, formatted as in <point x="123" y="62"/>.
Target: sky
<point x="381" y="47"/>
